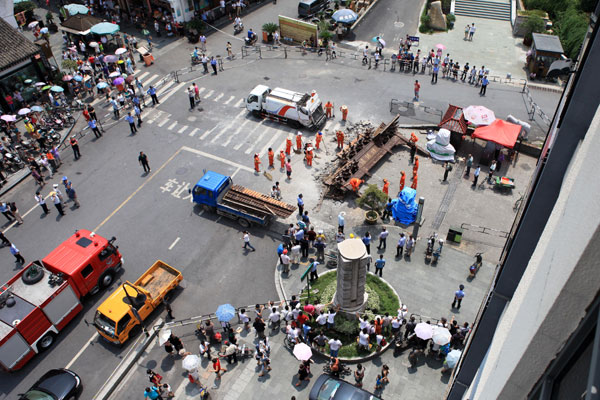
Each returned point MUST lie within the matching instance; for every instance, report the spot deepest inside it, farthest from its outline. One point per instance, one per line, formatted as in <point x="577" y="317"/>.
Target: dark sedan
<point x="327" y="387"/>
<point x="56" y="384"/>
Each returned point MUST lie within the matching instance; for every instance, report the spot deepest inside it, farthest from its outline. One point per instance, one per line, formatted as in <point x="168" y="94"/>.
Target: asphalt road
<point x="150" y="215"/>
<point x="391" y="20"/>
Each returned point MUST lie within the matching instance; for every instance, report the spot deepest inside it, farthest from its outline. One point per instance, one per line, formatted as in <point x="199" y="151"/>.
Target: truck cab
<point x="209" y="190"/>
<point x="87" y="260"/>
<point x="257" y="97"/>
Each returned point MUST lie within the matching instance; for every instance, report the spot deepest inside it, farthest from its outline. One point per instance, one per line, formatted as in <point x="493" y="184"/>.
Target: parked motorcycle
<point x="249" y="41"/>
<point x="12" y="162"/>
<point x="430" y="244"/>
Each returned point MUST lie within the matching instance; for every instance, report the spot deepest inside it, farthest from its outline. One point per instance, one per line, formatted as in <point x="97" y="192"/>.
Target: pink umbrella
<point x="8" y="118"/>
<point x="118" y="81"/>
<point x="302" y="352"/>
<point x="479" y="115"/>
<point x="67" y="78"/>
<point x="440" y="46"/>
<point x="424" y="330"/>
<point x="111" y="59"/>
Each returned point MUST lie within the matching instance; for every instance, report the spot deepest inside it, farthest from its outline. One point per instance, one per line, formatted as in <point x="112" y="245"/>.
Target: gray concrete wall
<point x="559" y="283"/>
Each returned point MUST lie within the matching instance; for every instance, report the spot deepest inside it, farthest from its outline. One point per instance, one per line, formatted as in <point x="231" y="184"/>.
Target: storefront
<point x="22" y="64"/>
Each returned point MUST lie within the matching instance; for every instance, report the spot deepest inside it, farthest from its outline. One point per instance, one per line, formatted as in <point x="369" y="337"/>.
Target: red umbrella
<point x="501" y="132"/>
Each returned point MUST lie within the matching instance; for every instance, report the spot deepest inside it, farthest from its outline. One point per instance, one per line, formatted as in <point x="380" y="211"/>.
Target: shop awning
<point x="501" y="132"/>
<point x="79" y="24"/>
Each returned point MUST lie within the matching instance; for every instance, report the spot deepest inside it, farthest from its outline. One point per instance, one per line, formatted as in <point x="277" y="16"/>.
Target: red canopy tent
<point x="501" y="132"/>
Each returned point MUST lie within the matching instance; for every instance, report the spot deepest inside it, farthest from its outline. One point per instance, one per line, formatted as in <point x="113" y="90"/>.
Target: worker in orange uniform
<point x="340" y="139"/>
<point x="402" y="178"/>
<point x="299" y="142"/>
<point x="414" y="182"/>
<point x="318" y="139"/>
<point x="288" y="146"/>
<point x="257" y="163"/>
<point x="282" y="158"/>
<point x="344" y="110"/>
<point x="413" y="137"/>
<point x="416" y="166"/>
<point x="355" y="183"/>
<point x="271" y="158"/>
<point x="309" y="155"/>
<point x="386" y="187"/>
<point x="329" y="109"/>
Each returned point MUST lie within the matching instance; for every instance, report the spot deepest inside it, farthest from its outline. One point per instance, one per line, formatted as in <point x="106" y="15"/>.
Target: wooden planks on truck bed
<point x="259" y="201"/>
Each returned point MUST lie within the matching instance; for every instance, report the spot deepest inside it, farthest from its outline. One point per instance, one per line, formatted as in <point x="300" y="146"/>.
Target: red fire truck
<point x="40" y="300"/>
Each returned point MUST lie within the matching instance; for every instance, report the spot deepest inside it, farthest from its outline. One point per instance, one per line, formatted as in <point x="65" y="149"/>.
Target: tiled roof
<point x="14" y="47"/>
<point x="454" y="120"/>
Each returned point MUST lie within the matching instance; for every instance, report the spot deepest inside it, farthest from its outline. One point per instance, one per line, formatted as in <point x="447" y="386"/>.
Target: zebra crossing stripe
<point x="229" y="100"/>
<point x="239" y="102"/>
<point x="238" y="130"/>
<point x="182" y="129"/>
<point x="163" y="122"/>
<point x="205" y="134"/>
<point x="210" y="93"/>
<point x="193" y="132"/>
<point x="218" y="97"/>
<point x="172" y="126"/>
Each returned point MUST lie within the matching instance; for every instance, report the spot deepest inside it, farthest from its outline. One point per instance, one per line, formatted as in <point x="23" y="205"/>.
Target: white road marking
<point x="164" y="88"/>
<point x="147" y="81"/>
<point x="201" y="90"/>
<point x="94" y="336"/>
<point x="218" y="97"/>
<point x="172" y="92"/>
<point x="164" y="121"/>
<point x="239" y="102"/>
<point x="282" y="145"/>
<point x="257" y="140"/>
<point x="229" y="100"/>
<point x="174" y="243"/>
<point x="182" y="129"/>
<point x="241" y="141"/>
<point x="216" y="158"/>
<point x="227" y="127"/>
<point x="225" y="143"/>
<point x="205" y="134"/>
<point x="210" y="93"/>
<point x="270" y="144"/>
<point x="142" y="76"/>
<point x="172" y="126"/>
<point x="193" y="132"/>
<point x="235" y="173"/>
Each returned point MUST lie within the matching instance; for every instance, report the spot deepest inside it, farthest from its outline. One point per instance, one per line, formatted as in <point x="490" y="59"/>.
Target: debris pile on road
<point x="364" y="151"/>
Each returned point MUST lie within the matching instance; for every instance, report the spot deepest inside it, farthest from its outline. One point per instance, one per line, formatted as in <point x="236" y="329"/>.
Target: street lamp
<point x="140" y="298"/>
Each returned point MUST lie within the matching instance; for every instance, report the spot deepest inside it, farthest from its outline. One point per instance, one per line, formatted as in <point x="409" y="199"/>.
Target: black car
<point x="327" y="387"/>
<point x="56" y="384"/>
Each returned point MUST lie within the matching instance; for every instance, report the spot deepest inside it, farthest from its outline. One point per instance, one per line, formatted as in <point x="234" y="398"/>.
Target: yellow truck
<point x="123" y="312"/>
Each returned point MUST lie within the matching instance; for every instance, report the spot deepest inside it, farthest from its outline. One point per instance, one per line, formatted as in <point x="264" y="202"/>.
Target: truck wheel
<point x="32" y="275"/>
<point x="295" y="124"/>
<point x="134" y="331"/>
<point x="46" y="341"/>
<point x="244" y="222"/>
<point x="106" y="279"/>
<point x="257" y="114"/>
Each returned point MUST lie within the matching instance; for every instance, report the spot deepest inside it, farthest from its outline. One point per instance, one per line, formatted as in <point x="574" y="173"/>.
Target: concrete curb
<point x="125" y="365"/>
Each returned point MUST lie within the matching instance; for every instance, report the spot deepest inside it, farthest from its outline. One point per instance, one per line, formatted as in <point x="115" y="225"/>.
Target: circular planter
<point x="315" y="20"/>
<point x="371" y="217"/>
<point x="329" y="12"/>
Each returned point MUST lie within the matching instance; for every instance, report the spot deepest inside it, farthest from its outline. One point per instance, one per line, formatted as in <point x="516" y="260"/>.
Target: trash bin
<point x="148" y="59"/>
<point x="454" y="235"/>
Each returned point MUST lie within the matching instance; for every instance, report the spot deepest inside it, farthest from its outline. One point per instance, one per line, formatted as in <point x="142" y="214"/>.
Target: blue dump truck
<point x="217" y="193"/>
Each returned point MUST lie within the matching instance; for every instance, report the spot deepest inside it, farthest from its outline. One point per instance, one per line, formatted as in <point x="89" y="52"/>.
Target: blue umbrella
<point x="345" y="16"/>
<point x="78" y="78"/>
<point x="76" y="9"/>
<point x="102" y="85"/>
<point x="57" y="89"/>
<point x="225" y="312"/>
<point x="105" y="28"/>
<point x="37" y="109"/>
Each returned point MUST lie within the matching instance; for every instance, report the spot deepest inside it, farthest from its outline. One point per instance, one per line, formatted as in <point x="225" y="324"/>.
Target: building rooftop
<point x="549" y="43"/>
<point x="14" y="47"/>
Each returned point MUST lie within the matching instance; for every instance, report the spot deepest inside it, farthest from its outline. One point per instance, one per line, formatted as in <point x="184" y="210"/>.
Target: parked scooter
<point x="251" y="38"/>
<point x="430" y="245"/>
<point x="474" y="268"/>
<point x="438" y="252"/>
<point x="12" y="162"/>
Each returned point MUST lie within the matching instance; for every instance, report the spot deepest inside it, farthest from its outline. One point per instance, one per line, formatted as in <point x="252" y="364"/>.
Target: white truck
<point x="296" y="109"/>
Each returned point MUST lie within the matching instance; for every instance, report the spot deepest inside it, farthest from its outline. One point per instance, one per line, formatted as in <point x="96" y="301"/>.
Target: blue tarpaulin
<point x="405" y="207"/>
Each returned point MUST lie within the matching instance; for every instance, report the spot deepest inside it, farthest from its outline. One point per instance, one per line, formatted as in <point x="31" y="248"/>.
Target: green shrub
<point x="346" y="327"/>
<point x="425" y="20"/>
<point x="270" y="28"/>
<point x="539" y="13"/>
<point x="374" y="198"/>
<point x="552" y="7"/>
<point x="587" y="5"/>
<point x="534" y="24"/>
<point x="450" y="18"/>
<point x="196" y="24"/>
<point x="24" y="6"/>
<point x="571" y="27"/>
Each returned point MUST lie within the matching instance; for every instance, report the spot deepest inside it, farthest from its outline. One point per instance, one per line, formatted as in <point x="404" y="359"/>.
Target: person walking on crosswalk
<point x="191" y="96"/>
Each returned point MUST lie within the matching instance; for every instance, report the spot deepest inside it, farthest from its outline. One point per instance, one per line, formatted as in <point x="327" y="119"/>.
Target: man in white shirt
<point x="285" y="262"/>
<point x="334" y="347"/>
<point x="331" y="317"/>
<point x="244" y="319"/>
<point x="275" y="318"/>
<point x="322" y="318"/>
<point x="382" y="238"/>
<point x="292" y="334"/>
<point x="364" y="323"/>
<point x="402" y="313"/>
<point x="363" y="339"/>
<point x="296" y="253"/>
<point x="472" y="31"/>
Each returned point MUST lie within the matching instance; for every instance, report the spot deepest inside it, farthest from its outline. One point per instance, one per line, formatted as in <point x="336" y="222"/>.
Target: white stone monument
<point x="351" y="276"/>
